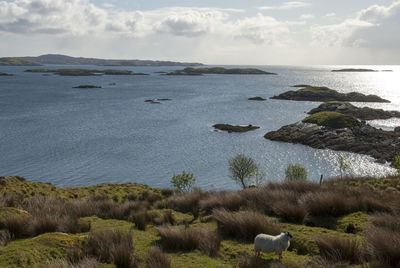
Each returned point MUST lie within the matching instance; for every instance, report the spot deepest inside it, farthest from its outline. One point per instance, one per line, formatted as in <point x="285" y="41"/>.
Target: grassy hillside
<point x="353" y="222"/>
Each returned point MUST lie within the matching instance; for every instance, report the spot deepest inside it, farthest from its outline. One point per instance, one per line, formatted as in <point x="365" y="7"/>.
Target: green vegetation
<point x="12" y="61"/>
<point x="343" y="164"/>
<point x="318" y="90"/>
<point x="396" y="163"/>
<point x="183" y="182"/>
<point x="242" y="169"/>
<point x="355" y="218"/>
<point x="333" y="120"/>
<point x="295" y="172"/>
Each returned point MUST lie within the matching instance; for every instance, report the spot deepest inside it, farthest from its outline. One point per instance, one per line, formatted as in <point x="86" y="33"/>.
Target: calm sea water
<point x="54" y="133"/>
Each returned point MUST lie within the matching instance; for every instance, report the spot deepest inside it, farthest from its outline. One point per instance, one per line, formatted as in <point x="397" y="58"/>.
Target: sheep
<point x="269" y="243"/>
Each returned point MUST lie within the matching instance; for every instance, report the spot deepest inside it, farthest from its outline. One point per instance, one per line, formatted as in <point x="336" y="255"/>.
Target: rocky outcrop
<point x="157" y="101"/>
<point x="354" y="70"/>
<point x="87" y="86"/>
<point x="382" y="145"/>
<point x="257" y="99"/>
<point x="364" y="113"/>
<point x="325" y="94"/>
<point x="232" y="128"/>
<point x="219" y="70"/>
<point x="5" y="74"/>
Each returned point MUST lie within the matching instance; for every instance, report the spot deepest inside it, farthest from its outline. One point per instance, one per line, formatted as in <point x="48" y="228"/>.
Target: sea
<point x="52" y="132"/>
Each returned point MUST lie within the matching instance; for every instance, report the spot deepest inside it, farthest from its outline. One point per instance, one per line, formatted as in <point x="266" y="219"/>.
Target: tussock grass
<point x="246" y="225"/>
<point x="157" y="259"/>
<point x="189" y="239"/>
<point x="338" y="249"/>
<point x="384" y="245"/>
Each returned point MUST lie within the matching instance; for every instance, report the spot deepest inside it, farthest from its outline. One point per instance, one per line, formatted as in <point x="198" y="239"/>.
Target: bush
<point x="242" y="169"/>
<point x="189" y="239"/>
<point x="157" y="259"/>
<point x="339" y="249"/>
<point x="251" y="262"/>
<point x="295" y="172"/>
<point x="188" y="203"/>
<point x="396" y="164"/>
<point x="17" y="226"/>
<point x="43" y="225"/>
<point x="183" y="182"/>
<point x="140" y="218"/>
<point x="246" y="225"/>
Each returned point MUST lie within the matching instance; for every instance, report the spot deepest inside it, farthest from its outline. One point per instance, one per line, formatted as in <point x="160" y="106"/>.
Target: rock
<point x="397" y="129"/>
<point x="324" y="94"/>
<point x="5" y="74"/>
<point x="364" y="113"/>
<point x="232" y="128"/>
<point x="87" y="86"/>
<point x="365" y="139"/>
<point x="157" y="101"/>
<point x="257" y="99"/>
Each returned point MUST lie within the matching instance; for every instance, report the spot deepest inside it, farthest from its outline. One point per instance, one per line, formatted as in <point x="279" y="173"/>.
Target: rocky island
<point x="157" y="101"/>
<point x="336" y="131"/>
<point x="257" y="99"/>
<point x="81" y="72"/>
<point x="5" y="74"/>
<point x="218" y="70"/>
<point x="324" y="94"/>
<point x="363" y="113"/>
<point x="354" y="70"/>
<point x="87" y="86"/>
<point x="232" y="128"/>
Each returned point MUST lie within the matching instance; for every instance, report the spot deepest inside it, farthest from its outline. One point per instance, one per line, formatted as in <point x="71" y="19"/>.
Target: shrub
<point x="396" y="164"/>
<point x="384" y="245"/>
<point x="242" y="169"/>
<point x="339" y="249"/>
<point x="246" y="225"/>
<point x="41" y="225"/>
<point x="295" y="172"/>
<point x="188" y="203"/>
<point x="157" y="259"/>
<point x="111" y="246"/>
<point x="189" y="239"/>
<point x="183" y="182"/>
<point x="343" y="165"/>
<point x="387" y="221"/>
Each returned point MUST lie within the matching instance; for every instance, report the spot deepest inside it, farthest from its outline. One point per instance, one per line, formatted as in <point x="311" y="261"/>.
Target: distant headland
<point x="67" y="60"/>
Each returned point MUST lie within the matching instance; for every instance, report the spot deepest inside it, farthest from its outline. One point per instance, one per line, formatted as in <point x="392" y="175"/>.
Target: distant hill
<point x="67" y="60"/>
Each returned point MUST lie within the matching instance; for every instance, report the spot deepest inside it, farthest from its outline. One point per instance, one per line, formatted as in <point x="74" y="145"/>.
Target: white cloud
<point x="307" y="16"/>
<point x="286" y="5"/>
<point x="375" y="27"/>
<point x="332" y="14"/>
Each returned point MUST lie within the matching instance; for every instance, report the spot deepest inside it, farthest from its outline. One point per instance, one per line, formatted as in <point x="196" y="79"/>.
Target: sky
<point x="234" y="32"/>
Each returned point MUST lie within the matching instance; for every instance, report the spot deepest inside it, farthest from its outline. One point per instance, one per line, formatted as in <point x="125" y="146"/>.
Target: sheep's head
<point x="289" y="236"/>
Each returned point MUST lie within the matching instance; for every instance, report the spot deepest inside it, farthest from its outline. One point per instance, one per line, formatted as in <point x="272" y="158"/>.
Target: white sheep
<point x="270" y="243"/>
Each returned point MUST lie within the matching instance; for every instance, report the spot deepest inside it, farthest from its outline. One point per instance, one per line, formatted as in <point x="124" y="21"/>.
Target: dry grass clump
<point x="17" y="226"/>
<point x="166" y="218"/>
<point x="246" y="225"/>
<point x="186" y="203"/>
<point x="338" y="249"/>
<point x="250" y="262"/>
<point x="141" y="219"/>
<point x="290" y="212"/>
<point x="189" y="239"/>
<point x="157" y="259"/>
<point x="112" y="246"/>
<point x="298" y="186"/>
<point x="228" y="200"/>
<point x="387" y="221"/>
<point x="84" y="263"/>
<point x="383" y="244"/>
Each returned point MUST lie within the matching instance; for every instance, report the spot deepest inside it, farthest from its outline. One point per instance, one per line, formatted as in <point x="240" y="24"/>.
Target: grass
<point x="204" y="229"/>
<point x="338" y="249"/>
<point x="333" y="120"/>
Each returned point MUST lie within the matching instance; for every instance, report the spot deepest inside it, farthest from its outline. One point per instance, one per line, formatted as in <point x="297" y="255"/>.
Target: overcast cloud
<point x="305" y="31"/>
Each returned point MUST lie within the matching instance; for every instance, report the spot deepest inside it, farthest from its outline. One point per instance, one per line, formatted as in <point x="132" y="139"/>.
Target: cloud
<point x="307" y="16"/>
<point x="374" y="27"/>
<point x="81" y="18"/>
<point x="286" y="5"/>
